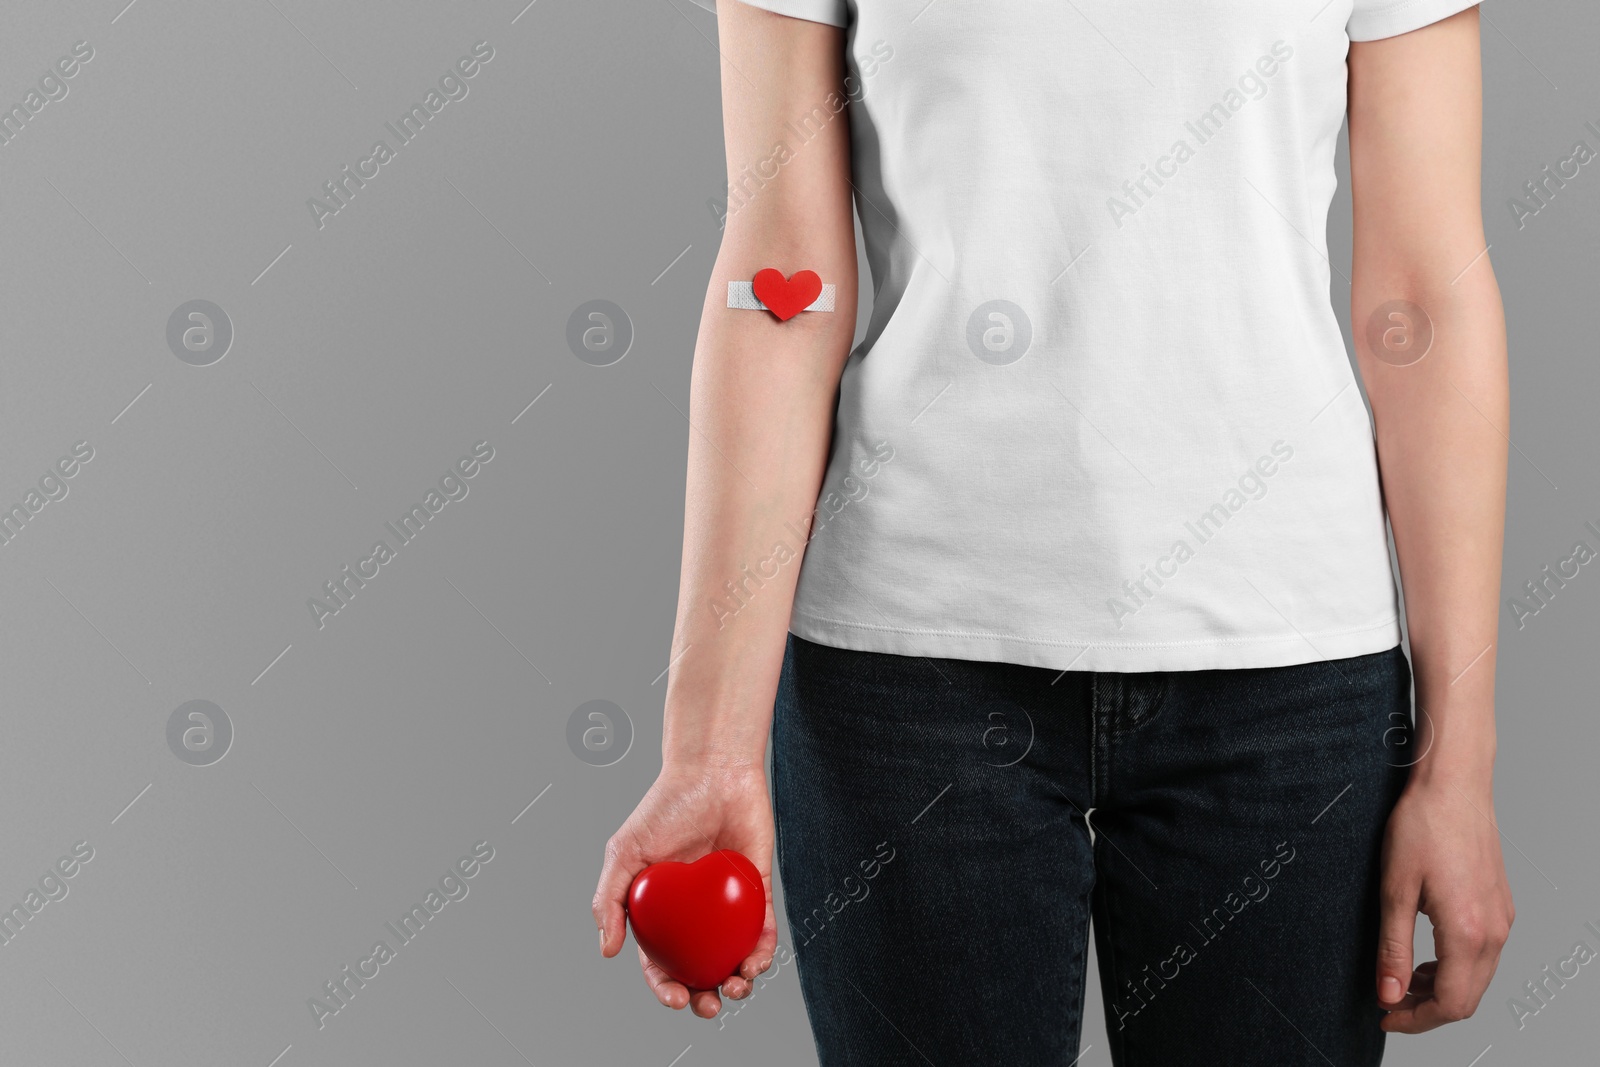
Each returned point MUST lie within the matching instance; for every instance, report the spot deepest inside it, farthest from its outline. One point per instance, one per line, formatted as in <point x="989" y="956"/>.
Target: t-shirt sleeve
<point x="831" y="12"/>
<point x="1374" y="20"/>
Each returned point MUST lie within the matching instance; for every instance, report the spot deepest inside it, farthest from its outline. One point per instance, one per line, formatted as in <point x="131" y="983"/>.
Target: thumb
<point x="622" y="863"/>
<point x="1396" y="931"/>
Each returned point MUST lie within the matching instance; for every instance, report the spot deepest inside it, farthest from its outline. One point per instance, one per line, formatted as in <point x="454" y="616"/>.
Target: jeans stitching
<point x="1094" y="739"/>
<point x="1117" y="1035"/>
<point x="1080" y="957"/>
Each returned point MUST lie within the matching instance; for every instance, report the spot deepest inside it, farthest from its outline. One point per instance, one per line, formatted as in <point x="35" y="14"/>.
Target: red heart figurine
<point x="698" y="921"/>
<point x="786" y="298"/>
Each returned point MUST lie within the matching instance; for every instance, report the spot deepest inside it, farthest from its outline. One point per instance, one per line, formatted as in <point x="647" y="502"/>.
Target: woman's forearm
<point x="1441" y="432"/>
<point x="761" y="414"/>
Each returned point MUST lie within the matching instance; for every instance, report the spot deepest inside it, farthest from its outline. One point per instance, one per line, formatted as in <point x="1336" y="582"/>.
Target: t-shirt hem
<point x="828" y="12"/>
<point x="1219" y="653"/>
<point x="1402" y="16"/>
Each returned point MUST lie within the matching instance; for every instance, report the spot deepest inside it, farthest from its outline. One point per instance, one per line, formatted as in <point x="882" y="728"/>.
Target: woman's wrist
<point x="719" y="706"/>
<point x="1455" y="727"/>
<point x="713" y="760"/>
<point x="1457" y="746"/>
<point x="715" y="734"/>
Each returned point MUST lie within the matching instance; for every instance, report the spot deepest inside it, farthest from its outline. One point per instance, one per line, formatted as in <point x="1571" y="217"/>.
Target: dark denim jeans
<point x="947" y="829"/>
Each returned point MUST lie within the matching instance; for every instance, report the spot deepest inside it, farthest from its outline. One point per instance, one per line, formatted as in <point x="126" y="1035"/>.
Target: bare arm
<point x="1415" y="143"/>
<point x="763" y="391"/>
<point x="761" y="413"/>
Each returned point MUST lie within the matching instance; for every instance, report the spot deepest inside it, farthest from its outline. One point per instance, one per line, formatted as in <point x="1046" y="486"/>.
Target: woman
<point x="1096" y="617"/>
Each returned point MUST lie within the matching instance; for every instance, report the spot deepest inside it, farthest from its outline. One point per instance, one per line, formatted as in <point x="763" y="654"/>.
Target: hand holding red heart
<point x="686" y="815"/>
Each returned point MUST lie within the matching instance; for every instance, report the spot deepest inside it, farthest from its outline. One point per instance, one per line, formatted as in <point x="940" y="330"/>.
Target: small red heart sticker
<point x="698" y="921"/>
<point x="786" y="298"/>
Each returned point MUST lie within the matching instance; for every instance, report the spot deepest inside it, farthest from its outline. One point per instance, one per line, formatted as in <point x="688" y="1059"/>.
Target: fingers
<point x="1468" y="953"/>
<point x="756" y="964"/>
<point x="1422" y="982"/>
<point x="1430" y="1013"/>
<point x="622" y="863"/>
<point x="674" y="995"/>
<point x="705" y="1003"/>
<point x="760" y="957"/>
<point x="739" y="986"/>
<point x="1396" y="930"/>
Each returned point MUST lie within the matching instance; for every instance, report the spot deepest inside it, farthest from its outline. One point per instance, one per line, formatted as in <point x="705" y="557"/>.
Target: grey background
<point x="367" y="357"/>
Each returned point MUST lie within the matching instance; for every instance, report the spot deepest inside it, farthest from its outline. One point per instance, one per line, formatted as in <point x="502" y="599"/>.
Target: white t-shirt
<point x="1102" y="417"/>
